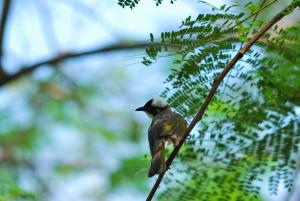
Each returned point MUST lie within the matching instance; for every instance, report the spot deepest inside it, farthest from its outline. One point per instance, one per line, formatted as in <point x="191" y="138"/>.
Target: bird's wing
<point x="165" y="125"/>
<point x="154" y="138"/>
<point x="173" y="125"/>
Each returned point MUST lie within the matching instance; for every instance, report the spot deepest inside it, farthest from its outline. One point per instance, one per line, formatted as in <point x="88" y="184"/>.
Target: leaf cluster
<point x="132" y="3"/>
<point x="252" y="125"/>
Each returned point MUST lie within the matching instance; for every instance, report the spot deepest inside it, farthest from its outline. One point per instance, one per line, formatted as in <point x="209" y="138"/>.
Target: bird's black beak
<point x="140" y="109"/>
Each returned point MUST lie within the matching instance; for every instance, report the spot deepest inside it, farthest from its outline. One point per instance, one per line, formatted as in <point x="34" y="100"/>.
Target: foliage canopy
<point x="251" y="129"/>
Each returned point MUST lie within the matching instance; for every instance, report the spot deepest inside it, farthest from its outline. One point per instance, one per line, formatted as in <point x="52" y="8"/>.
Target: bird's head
<point x="154" y="106"/>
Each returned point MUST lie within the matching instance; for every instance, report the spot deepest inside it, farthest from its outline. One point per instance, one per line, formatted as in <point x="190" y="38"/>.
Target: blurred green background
<point x="68" y="131"/>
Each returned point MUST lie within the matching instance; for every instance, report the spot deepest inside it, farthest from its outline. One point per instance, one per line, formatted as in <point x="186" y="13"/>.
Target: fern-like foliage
<point x="128" y="3"/>
<point x="132" y="3"/>
<point x="251" y="130"/>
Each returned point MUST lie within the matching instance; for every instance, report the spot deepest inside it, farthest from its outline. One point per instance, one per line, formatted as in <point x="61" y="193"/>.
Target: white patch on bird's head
<point x="159" y="102"/>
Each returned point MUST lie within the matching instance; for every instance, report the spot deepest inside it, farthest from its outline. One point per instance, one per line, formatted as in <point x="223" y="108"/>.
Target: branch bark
<point x="215" y="86"/>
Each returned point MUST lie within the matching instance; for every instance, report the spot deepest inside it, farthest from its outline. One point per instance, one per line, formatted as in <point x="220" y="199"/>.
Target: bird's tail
<point x="158" y="164"/>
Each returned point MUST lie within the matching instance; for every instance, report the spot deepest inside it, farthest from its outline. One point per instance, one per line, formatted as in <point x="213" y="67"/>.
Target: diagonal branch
<point x="215" y="86"/>
<point x="62" y="57"/>
<point x="5" y="12"/>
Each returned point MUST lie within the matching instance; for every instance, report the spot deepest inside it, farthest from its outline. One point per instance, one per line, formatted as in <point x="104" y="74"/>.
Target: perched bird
<point x="166" y="126"/>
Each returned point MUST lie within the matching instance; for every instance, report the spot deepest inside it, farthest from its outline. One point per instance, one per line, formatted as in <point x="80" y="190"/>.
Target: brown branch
<point x="5" y="13"/>
<point x="4" y="79"/>
<point x="62" y="57"/>
<point x="215" y="86"/>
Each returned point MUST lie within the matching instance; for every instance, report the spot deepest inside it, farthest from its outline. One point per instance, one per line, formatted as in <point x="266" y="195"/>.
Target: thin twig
<point x="5" y="13"/>
<point x="215" y="86"/>
<point x="255" y="13"/>
<point x="242" y="43"/>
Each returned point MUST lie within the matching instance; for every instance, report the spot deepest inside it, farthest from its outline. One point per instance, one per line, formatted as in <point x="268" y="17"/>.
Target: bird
<point x="166" y="127"/>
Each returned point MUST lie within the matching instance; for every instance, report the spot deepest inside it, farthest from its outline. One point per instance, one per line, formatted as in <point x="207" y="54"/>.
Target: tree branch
<point x="61" y="57"/>
<point x="4" y="78"/>
<point x="5" y="13"/>
<point x="215" y="86"/>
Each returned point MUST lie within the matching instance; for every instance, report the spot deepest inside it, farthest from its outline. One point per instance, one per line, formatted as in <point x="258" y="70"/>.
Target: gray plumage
<point x="167" y="126"/>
